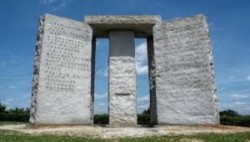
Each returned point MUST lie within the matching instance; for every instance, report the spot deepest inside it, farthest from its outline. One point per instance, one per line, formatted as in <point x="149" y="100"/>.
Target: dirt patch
<point x="107" y="132"/>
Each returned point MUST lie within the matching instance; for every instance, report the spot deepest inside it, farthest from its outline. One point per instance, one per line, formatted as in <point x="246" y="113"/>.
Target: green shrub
<point x="104" y="119"/>
<point x="101" y="119"/>
<point x="18" y="117"/>
<point x="143" y="118"/>
<point x="2" y="108"/>
<point x="236" y="121"/>
<point x="229" y="112"/>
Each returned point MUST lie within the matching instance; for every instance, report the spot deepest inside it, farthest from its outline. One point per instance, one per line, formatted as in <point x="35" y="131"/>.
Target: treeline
<point x="103" y="119"/>
<point x="17" y="114"/>
<point x="231" y="117"/>
<point x="227" y="117"/>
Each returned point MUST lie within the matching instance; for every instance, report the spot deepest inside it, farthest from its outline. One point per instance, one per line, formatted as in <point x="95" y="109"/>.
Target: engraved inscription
<point x="63" y="57"/>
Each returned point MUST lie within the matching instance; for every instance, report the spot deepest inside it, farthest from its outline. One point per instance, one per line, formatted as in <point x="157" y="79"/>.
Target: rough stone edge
<point x="121" y="19"/>
<point x="204" y="23"/>
<point x="212" y="71"/>
<point x="36" y="71"/>
<point x="93" y="52"/>
<point x="152" y="81"/>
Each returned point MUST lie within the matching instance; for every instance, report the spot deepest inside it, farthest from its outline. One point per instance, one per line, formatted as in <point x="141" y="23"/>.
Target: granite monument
<point x="181" y="70"/>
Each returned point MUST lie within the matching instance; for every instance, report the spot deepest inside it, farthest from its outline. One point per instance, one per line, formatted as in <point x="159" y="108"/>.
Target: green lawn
<point x="10" y="123"/>
<point x="10" y="136"/>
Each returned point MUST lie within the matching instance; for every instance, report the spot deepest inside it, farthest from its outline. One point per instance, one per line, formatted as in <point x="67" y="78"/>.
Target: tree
<point x="19" y="110"/>
<point x="146" y="111"/>
<point x="2" y="108"/>
<point x="229" y="112"/>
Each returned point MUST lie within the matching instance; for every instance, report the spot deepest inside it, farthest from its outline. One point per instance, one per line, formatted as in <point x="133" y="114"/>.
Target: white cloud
<point x="102" y="72"/>
<point x="97" y="44"/>
<point x="12" y="87"/>
<point x="143" y="98"/>
<point x="141" y="70"/>
<point x="213" y="27"/>
<point x="13" y="78"/>
<point x="246" y="108"/>
<point x="239" y="96"/>
<point x="231" y="77"/>
<point x="142" y="103"/>
<point x="101" y="103"/>
<point x="7" y="102"/>
<point x="239" y="106"/>
<point x="248" y="78"/>
<point x="142" y="107"/>
<point x="239" y="103"/>
<point x="100" y="96"/>
<point x="141" y="59"/>
<point x="141" y="52"/>
<point x="234" y="79"/>
<point x="8" y="62"/>
<point x="101" y="108"/>
<point x="55" y="5"/>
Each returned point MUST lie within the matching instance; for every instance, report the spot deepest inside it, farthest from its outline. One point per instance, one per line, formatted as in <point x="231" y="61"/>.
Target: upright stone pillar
<point x="185" y="86"/>
<point x="61" y="92"/>
<point x="122" y="79"/>
<point x="152" y="85"/>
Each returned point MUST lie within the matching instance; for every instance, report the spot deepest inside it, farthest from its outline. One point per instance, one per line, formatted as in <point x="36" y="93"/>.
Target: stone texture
<point x="122" y="19"/>
<point x="141" y="25"/>
<point x="185" y="86"/>
<point x="152" y="85"/>
<point x="61" y="91"/>
<point x="182" y="86"/>
<point x="122" y="79"/>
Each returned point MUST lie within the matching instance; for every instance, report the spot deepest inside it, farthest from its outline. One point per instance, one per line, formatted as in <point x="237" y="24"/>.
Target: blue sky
<point x="229" y="22"/>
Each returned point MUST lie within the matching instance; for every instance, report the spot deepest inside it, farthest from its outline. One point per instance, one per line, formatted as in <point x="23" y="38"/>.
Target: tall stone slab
<point x="151" y="76"/>
<point x="185" y="86"/>
<point x="62" y="73"/>
<point x="122" y="79"/>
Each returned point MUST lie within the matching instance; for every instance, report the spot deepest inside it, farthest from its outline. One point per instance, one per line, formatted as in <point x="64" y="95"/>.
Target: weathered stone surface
<point x="62" y="73"/>
<point x="185" y="86"/>
<point x="122" y="19"/>
<point x="182" y="86"/>
<point x="152" y="87"/>
<point x="141" y="25"/>
<point x="122" y="79"/>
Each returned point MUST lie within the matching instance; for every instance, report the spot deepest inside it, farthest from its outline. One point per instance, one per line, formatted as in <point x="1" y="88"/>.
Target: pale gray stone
<point x="141" y="25"/>
<point x="122" y="79"/>
<point x="62" y="73"/>
<point x="182" y="85"/>
<point x="122" y="19"/>
<point x="185" y="86"/>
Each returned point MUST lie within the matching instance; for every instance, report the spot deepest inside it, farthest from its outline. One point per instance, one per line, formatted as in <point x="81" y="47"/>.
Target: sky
<point x="228" y="21"/>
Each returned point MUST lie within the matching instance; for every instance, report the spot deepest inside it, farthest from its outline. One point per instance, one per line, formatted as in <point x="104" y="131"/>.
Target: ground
<point x="134" y="132"/>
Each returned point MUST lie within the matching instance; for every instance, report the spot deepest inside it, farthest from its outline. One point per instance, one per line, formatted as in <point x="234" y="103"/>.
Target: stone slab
<point x="61" y="91"/>
<point x="122" y="79"/>
<point x="185" y="86"/>
<point x="142" y="25"/>
<point x="152" y="85"/>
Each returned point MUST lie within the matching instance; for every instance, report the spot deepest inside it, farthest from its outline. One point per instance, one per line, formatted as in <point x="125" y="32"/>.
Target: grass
<point x="11" y="136"/>
<point x="10" y="123"/>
